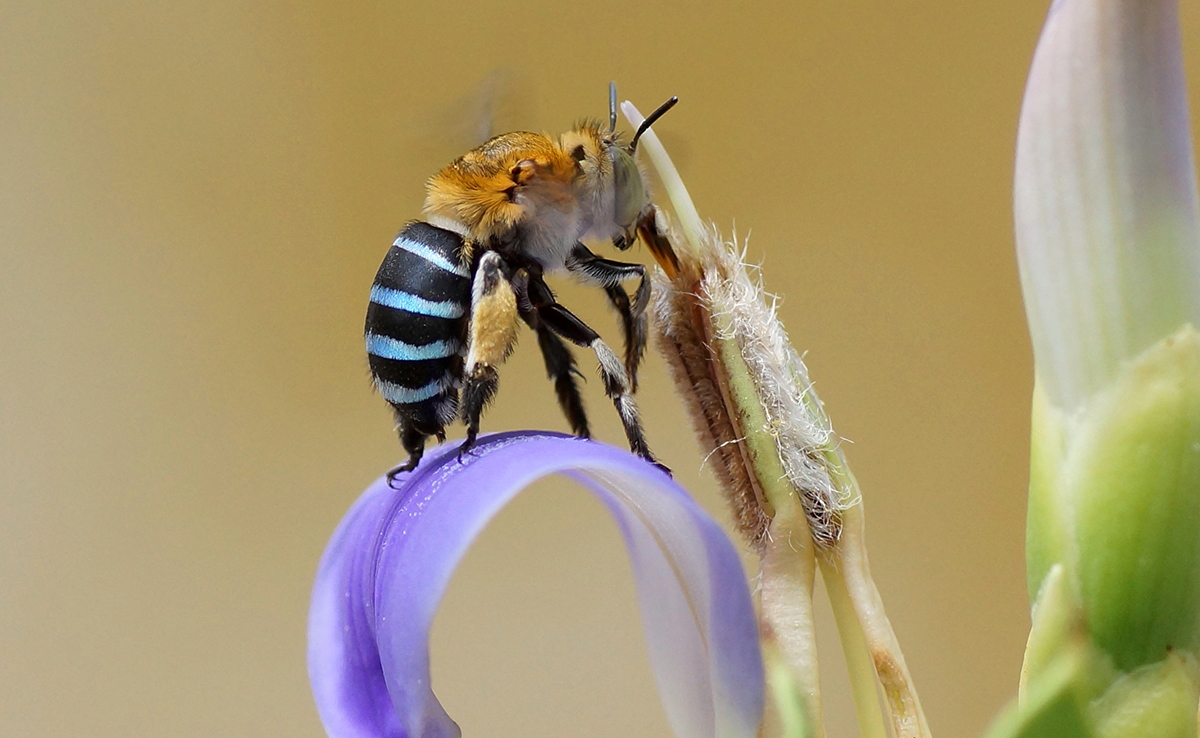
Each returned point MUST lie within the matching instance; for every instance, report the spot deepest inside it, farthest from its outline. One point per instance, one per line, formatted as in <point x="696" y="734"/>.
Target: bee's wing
<point x="500" y="102"/>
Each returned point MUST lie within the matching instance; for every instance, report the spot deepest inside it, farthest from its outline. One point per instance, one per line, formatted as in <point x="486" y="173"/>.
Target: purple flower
<point x="388" y="564"/>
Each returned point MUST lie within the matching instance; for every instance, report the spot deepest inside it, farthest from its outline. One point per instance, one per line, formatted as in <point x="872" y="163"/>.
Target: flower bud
<point x="1108" y="236"/>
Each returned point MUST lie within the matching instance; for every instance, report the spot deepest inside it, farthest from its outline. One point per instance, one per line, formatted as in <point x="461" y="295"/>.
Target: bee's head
<point x="631" y="196"/>
<point x="609" y="176"/>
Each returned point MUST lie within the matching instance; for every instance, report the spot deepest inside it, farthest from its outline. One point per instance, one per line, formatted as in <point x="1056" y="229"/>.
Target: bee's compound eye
<point x="578" y="154"/>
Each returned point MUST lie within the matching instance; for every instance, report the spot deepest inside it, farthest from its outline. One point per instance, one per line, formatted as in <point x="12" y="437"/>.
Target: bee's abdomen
<point x="416" y="323"/>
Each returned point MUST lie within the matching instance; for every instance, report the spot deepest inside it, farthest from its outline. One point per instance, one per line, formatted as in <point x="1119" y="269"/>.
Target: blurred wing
<point x="500" y="102"/>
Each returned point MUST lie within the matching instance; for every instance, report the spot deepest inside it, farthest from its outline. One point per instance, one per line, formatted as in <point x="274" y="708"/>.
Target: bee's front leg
<point x="609" y="274"/>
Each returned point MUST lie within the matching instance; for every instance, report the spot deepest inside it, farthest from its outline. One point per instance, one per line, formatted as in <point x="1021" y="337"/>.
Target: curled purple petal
<point x="387" y="567"/>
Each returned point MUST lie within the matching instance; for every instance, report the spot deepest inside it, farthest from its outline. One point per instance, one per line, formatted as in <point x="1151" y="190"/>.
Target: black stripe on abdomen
<point x="425" y="262"/>
<point x="417" y="317"/>
<point x="411" y="327"/>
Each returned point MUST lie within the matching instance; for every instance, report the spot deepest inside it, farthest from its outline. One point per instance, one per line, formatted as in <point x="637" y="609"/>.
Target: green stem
<point x="858" y="655"/>
<point x="785" y="599"/>
<point x="786" y="695"/>
<point x="788" y="565"/>
<point x="788" y="562"/>
<point x="847" y="563"/>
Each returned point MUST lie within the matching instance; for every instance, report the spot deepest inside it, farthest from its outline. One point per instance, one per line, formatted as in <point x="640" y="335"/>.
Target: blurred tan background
<point x="194" y="198"/>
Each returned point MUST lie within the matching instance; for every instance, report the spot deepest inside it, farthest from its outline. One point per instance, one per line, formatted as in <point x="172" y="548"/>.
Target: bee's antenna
<point x="612" y="108"/>
<point x="650" y="121"/>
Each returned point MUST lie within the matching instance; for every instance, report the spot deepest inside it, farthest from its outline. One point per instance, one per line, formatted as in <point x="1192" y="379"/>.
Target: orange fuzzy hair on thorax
<point x="509" y="179"/>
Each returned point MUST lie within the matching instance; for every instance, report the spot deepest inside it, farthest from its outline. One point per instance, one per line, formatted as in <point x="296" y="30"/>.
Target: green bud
<point x="1057" y="622"/>
<point x="1108" y="240"/>
<point x="1156" y="701"/>
<point x="1054" y="704"/>
<point x="1115" y="498"/>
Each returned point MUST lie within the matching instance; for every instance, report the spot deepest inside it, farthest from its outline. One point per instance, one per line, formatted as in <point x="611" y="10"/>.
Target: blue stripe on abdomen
<point x="412" y="304"/>
<point x="387" y="347"/>
<point x="401" y="395"/>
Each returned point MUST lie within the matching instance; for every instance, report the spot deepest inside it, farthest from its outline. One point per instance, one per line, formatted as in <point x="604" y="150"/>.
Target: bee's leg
<point x="634" y="329"/>
<point x="493" y="332"/>
<point x="560" y="363"/>
<point x="560" y="366"/>
<point x="478" y="391"/>
<point x="413" y="441"/>
<point x="616" y="381"/>
<point x="609" y="274"/>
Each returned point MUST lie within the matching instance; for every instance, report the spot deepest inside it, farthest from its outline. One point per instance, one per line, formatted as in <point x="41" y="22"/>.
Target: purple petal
<point x="387" y="567"/>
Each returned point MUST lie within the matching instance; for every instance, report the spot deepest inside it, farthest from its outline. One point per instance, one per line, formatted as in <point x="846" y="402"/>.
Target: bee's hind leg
<point x="494" y="321"/>
<point x="413" y="441"/>
<point x="478" y="391"/>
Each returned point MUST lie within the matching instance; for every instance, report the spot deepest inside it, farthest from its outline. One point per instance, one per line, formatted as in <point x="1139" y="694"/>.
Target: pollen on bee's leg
<point x="494" y="316"/>
<point x="493" y="332"/>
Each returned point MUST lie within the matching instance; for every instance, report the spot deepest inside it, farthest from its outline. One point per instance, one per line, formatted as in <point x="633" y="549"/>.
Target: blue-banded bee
<point x="449" y="297"/>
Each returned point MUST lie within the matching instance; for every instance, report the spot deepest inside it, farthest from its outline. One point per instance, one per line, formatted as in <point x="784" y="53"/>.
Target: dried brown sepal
<point x="712" y="299"/>
<point x="680" y="337"/>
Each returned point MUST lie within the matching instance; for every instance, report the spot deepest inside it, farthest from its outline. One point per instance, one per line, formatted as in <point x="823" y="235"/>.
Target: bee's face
<point x="607" y="174"/>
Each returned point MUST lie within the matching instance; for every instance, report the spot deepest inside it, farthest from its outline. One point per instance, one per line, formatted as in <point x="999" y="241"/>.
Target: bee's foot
<point x="407" y="466"/>
<point x="466" y="448"/>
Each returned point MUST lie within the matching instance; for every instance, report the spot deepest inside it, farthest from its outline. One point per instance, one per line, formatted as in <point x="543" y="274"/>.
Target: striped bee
<point x="452" y="291"/>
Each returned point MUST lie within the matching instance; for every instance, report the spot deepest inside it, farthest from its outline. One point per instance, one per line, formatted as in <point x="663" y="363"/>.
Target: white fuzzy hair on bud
<point x="796" y="419"/>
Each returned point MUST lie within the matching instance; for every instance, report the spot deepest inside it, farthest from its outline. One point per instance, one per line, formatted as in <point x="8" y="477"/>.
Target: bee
<point x="451" y="292"/>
